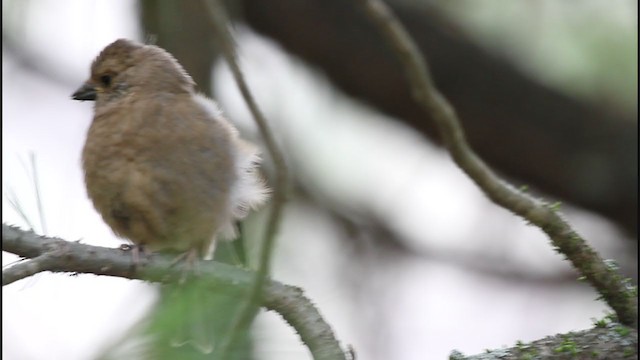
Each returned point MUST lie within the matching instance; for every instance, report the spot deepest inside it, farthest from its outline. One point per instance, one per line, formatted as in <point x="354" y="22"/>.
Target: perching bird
<point x="162" y="165"/>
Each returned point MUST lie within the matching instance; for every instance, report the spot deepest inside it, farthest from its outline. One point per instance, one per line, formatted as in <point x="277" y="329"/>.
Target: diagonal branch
<point x="602" y="276"/>
<point x="73" y="257"/>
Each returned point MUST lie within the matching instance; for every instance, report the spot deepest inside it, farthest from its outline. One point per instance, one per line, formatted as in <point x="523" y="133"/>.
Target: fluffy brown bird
<point x="162" y="166"/>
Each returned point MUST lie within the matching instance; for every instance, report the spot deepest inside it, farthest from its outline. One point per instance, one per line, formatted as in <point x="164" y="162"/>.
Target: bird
<point x="162" y="165"/>
<point x="167" y="171"/>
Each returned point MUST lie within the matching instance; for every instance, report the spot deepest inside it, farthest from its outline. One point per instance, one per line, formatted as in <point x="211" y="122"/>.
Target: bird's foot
<point x="190" y="260"/>
<point x="137" y="252"/>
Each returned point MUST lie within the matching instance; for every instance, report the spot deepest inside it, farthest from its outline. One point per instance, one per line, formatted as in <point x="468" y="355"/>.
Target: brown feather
<point x="161" y="167"/>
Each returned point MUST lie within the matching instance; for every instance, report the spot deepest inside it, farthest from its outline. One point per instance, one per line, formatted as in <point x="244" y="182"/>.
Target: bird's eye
<point x="105" y="80"/>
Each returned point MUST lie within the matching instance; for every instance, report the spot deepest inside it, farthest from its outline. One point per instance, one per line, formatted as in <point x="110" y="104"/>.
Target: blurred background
<point x="401" y="252"/>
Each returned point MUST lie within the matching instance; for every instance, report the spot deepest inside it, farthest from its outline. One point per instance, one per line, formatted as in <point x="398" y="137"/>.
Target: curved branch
<point x="220" y="23"/>
<point x="603" y="277"/>
<point x="526" y="130"/>
<point x="65" y="256"/>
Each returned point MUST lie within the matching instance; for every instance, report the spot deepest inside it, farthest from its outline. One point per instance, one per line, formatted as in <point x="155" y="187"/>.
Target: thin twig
<point x="220" y="23"/>
<point x="73" y="257"/>
<point x="36" y="186"/>
<point x="603" y="277"/>
<point x="16" y="205"/>
<point x="27" y="268"/>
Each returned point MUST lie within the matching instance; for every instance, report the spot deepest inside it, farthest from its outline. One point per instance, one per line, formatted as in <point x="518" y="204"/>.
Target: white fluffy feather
<point x="248" y="190"/>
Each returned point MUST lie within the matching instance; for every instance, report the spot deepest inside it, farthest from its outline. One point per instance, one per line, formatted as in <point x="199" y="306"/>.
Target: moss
<point x="526" y="351"/>
<point x="611" y="264"/>
<point x="599" y="323"/>
<point x="622" y="330"/>
<point x="555" y="206"/>
<point x="567" y="346"/>
<point x="632" y="291"/>
<point x="629" y="352"/>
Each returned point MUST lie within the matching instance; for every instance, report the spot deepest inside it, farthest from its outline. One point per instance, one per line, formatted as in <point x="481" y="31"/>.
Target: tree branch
<point x="602" y="276"/>
<point x="555" y="143"/>
<point x="27" y="268"/>
<point x="64" y="256"/>
<point x="220" y="22"/>
<point x="610" y="341"/>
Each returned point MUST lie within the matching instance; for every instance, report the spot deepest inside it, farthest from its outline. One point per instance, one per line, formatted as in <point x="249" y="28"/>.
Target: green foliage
<point x="192" y="320"/>
<point x="622" y="330"/>
<point x="567" y="346"/>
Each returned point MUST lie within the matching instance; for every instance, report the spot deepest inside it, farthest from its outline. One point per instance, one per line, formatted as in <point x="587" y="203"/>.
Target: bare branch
<point x="73" y="257"/>
<point x="27" y="268"/>
<point x="603" y="277"/>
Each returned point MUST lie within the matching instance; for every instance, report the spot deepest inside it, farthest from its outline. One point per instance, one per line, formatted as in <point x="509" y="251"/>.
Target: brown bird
<point x="162" y="165"/>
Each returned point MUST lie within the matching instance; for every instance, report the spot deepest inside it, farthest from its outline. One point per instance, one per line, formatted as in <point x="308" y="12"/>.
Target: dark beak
<point x="85" y="92"/>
